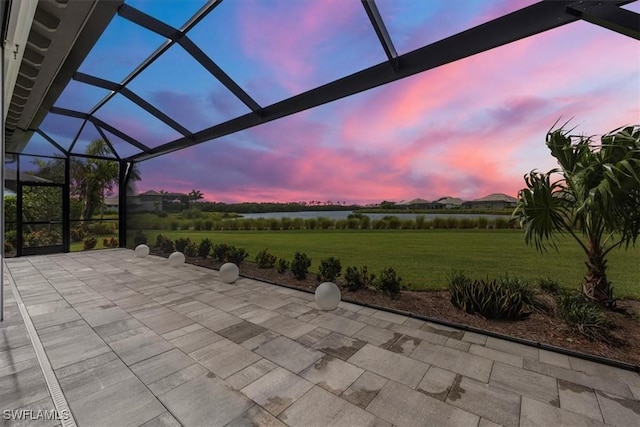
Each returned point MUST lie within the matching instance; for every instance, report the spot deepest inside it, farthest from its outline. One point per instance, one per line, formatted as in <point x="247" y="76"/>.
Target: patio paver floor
<point x="135" y="341"/>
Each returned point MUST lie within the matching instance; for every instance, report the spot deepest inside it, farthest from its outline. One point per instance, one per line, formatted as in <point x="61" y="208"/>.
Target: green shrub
<point x="297" y="224"/>
<point x="236" y="255"/>
<point x="204" y="248"/>
<point x="393" y="222"/>
<point x="325" y="223"/>
<point x="330" y="268"/>
<point x="439" y="222"/>
<point x="174" y="225"/>
<point x="198" y="225"/>
<point x="208" y="225"/>
<point x="185" y="225"/>
<point x="389" y="282"/>
<point x="165" y="244"/>
<point x="365" y="222"/>
<point x="77" y="234"/>
<point x="355" y="279"/>
<point x="282" y="265"/>
<point x="483" y="222"/>
<point x="310" y="223"/>
<point x="219" y="251"/>
<point x="490" y="299"/>
<point x="181" y="243"/>
<point x="583" y="316"/>
<point x="285" y="223"/>
<point x="341" y="224"/>
<point x="11" y="237"/>
<point x="89" y="243"/>
<point x="501" y="223"/>
<point x="549" y="286"/>
<point x="379" y="224"/>
<point x="527" y="293"/>
<point x="110" y="243"/>
<point x="408" y="224"/>
<point x="353" y="223"/>
<point x="299" y="265"/>
<point x="452" y="222"/>
<point x="191" y="250"/>
<point x="265" y="260"/>
<point x="274" y="224"/>
<point x="421" y="223"/>
<point x="102" y="228"/>
<point x="192" y="213"/>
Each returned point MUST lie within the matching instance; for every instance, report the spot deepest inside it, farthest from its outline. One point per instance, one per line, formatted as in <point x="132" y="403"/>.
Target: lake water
<point x="345" y="214"/>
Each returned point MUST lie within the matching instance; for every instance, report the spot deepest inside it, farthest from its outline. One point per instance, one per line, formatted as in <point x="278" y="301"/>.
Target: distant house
<point x="154" y="201"/>
<point x="493" y="201"/>
<point x="111" y="204"/>
<point x="415" y="204"/>
<point x="448" y="203"/>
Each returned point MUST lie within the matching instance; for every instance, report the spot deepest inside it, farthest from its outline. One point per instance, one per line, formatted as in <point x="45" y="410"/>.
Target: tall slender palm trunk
<point x="596" y="287"/>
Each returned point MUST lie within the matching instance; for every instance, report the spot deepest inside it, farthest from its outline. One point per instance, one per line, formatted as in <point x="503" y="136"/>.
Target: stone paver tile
<point x="196" y="340"/>
<point x="85" y="364"/>
<point x="419" y="333"/>
<point x="287" y="326"/>
<point x="293" y="309"/>
<point x="277" y="390"/>
<point x="94" y="379"/>
<point x="47" y="307"/>
<point x="486" y="423"/>
<point x="163" y="420"/>
<point x="182" y="331"/>
<point x="354" y="308"/>
<point x="243" y="378"/>
<point x="240" y="332"/>
<point x="372" y="321"/>
<point x="605" y="371"/>
<point x="289" y="354"/>
<point x="390" y="365"/>
<point x="437" y="383"/>
<point x="635" y="391"/>
<point x="553" y="358"/>
<point x="45" y="404"/>
<point x="126" y="403"/>
<point x="618" y="410"/>
<point x="220" y="322"/>
<point x="447" y="331"/>
<point x="157" y="367"/>
<point x="254" y="314"/>
<point x="414" y="323"/>
<point x="55" y="318"/>
<point x="377" y="336"/>
<point x="258" y="340"/>
<point x="457" y="344"/>
<point x="518" y="349"/>
<point x="338" y="324"/>
<point x="256" y="416"/>
<point x="15" y="355"/>
<point x="141" y="346"/>
<point x="579" y="399"/>
<point x="405" y="345"/>
<point x="497" y="355"/>
<point x="224" y="358"/>
<point x="205" y="401"/>
<point x="109" y="329"/>
<point x="69" y="346"/>
<point x="474" y="338"/>
<point x="189" y="307"/>
<point x="457" y="361"/>
<point x="22" y="388"/>
<point x="598" y="383"/>
<point x="338" y="345"/>
<point x="319" y="407"/>
<point x="393" y="400"/>
<point x="492" y="403"/>
<point x="312" y="338"/>
<point x="333" y="375"/>
<point x="167" y="322"/>
<point x="176" y="379"/>
<point x="364" y="389"/>
<point x="527" y="383"/>
<point x="537" y="414"/>
<point x="389" y="317"/>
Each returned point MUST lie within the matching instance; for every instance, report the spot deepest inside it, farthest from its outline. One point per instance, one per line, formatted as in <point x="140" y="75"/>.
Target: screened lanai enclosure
<point x="104" y="99"/>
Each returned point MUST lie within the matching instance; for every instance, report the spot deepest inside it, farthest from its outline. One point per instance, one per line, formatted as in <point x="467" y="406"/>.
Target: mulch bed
<point x="545" y="328"/>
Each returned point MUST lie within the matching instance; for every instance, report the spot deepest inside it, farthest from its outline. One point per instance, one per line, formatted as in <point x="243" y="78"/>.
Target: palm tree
<point x="195" y="195"/>
<point x="594" y="197"/>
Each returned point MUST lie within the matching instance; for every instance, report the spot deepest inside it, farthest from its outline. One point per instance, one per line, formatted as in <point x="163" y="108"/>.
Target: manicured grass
<point x="425" y="258"/>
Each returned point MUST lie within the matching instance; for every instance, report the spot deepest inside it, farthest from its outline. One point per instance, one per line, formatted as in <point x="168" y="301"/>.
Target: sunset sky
<point x="465" y="129"/>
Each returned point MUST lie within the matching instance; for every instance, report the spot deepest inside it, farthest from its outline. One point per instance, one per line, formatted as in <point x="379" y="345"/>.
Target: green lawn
<point x="425" y="258"/>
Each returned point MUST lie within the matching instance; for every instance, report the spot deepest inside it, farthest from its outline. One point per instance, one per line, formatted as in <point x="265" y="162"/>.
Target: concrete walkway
<point x="136" y="342"/>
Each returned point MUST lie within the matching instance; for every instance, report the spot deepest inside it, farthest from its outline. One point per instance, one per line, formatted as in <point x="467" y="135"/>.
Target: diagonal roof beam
<point x="106" y="140"/>
<point x="609" y="16"/>
<point x="199" y="16"/>
<point x="150" y="23"/>
<point x="99" y="123"/>
<point x="525" y="22"/>
<point x="52" y="142"/>
<point x="381" y="31"/>
<point x="105" y="84"/>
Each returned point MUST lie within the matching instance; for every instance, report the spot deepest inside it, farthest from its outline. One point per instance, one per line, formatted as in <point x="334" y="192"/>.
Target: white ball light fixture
<point x="141" y="251"/>
<point x="328" y="296"/>
<point x="229" y="272"/>
<point x="176" y="259"/>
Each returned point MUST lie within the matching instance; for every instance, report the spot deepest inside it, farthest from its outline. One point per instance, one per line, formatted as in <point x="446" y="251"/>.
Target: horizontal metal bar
<point x="609" y="16"/>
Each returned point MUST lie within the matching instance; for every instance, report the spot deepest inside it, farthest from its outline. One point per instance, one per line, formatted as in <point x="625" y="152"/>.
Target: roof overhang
<point x="44" y="44"/>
